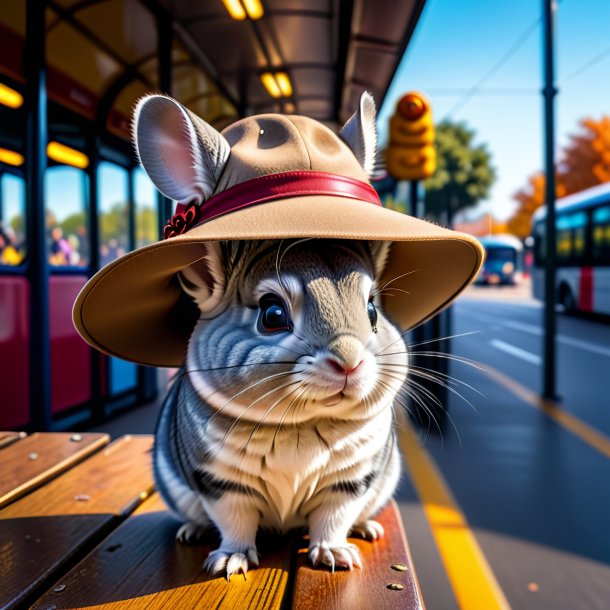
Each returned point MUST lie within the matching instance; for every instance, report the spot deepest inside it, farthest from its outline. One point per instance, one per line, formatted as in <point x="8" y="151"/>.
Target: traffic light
<point x="411" y="154"/>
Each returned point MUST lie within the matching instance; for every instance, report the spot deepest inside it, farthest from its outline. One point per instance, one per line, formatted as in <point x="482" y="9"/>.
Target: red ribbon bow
<point x="181" y="221"/>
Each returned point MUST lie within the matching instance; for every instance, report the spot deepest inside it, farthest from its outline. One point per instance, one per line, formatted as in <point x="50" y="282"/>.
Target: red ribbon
<point x="265" y="189"/>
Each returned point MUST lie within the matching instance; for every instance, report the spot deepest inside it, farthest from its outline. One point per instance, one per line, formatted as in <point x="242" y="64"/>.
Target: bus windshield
<point x="499" y="254"/>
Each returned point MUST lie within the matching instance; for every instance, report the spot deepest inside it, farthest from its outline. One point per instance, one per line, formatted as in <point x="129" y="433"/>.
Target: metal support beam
<point x="37" y="265"/>
<point x="93" y="151"/>
<point x="549" y="92"/>
<point x="165" y="34"/>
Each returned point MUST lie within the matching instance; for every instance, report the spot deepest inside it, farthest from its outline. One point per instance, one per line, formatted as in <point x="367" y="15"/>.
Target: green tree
<point x="464" y="175"/>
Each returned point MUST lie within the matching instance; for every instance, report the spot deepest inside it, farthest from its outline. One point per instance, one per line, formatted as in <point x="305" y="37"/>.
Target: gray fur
<point x="250" y="435"/>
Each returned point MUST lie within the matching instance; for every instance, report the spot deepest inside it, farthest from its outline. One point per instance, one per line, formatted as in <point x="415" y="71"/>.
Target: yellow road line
<point x="583" y="431"/>
<point x="474" y="584"/>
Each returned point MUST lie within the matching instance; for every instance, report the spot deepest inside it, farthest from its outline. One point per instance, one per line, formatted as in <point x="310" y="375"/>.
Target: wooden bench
<point x="81" y="526"/>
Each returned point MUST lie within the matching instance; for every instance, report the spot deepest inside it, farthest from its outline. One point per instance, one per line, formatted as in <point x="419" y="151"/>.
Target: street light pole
<point x="549" y="92"/>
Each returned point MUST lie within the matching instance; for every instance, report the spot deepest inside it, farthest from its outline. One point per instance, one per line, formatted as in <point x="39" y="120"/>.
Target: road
<point x="531" y="480"/>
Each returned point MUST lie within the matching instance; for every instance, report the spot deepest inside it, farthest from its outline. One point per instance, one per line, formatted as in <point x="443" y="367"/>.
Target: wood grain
<point x="367" y="589"/>
<point x="141" y="565"/>
<point x="38" y="458"/>
<point x="53" y="525"/>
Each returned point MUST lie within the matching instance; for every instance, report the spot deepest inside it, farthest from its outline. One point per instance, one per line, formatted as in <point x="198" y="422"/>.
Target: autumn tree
<point x="586" y="159"/>
<point x="464" y="175"/>
<point x="584" y="162"/>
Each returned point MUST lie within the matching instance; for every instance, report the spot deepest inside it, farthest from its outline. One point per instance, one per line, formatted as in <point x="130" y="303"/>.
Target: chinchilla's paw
<point x="230" y="562"/>
<point x="190" y="533"/>
<point x="344" y="556"/>
<point x="368" y="530"/>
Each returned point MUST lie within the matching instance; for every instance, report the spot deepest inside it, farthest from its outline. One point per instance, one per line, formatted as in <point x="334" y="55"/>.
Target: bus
<point x="583" y="251"/>
<point x="502" y="264"/>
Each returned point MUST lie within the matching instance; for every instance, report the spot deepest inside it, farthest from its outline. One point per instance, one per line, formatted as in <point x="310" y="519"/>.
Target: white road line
<point x="590" y="347"/>
<point x="515" y="351"/>
<point x="526" y="328"/>
<point x="564" y="339"/>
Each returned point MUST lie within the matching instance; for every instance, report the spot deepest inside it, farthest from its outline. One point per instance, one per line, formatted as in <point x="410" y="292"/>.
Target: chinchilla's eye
<point x="273" y="315"/>
<point x="372" y="315"/>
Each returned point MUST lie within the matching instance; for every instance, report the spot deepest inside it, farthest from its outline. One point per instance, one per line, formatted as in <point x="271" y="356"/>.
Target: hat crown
<point x="271" y="143"/>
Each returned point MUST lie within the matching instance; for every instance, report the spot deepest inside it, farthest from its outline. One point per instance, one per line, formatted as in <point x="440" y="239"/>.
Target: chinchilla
<point x="283" y="413"/>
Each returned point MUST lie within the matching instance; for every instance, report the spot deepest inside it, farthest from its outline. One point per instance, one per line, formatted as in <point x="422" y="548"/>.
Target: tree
<point x="586" y="159"/>
<point x="584" y="163"/>
<point x="464" y="175"/>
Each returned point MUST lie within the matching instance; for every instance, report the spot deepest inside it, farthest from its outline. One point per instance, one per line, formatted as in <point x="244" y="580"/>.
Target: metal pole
<point x="413" y="197"/>
<point x="93" y="146"/>
<point x="37" y="265"/>
<point x="164" y="60"/>
<point x="549" y="93"/>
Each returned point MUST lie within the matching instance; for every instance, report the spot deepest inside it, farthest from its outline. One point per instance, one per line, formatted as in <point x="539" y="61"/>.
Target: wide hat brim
<point x="135" y="309"/>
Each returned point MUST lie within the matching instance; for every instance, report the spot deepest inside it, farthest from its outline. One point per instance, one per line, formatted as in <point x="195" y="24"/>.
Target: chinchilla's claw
<point x="368" y="530"/>
<point x="229" y="562"/>
<point x="346" y="556"/>
<point x="190" y="533"/>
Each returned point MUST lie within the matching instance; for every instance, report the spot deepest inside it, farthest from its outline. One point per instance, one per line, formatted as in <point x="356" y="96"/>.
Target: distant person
<point x="9" y="254"/>
<point x="61" y="251"/>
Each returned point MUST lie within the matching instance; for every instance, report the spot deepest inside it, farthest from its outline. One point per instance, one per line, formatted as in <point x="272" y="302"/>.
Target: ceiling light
<point x="235" y="8"/>
<point x="284" y="83"/>
<point x="10" y="157"/>
<point x="254" y="8"/>
<point x="9" y="97"/>
<point x="66" y="155"/>
<point x="271" y="84"/>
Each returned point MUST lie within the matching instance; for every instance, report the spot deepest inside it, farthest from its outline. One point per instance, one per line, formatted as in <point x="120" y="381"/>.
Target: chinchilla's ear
<point x="360" y="133"/>
<point x="205" y="280"/>
<point x="181" y="153"/>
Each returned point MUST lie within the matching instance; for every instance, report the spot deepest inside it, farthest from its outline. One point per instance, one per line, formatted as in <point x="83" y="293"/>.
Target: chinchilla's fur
<point x="290" y="425"/>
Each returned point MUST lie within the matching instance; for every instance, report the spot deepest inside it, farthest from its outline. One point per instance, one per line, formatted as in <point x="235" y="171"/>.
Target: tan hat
<point x="265" y="177"/>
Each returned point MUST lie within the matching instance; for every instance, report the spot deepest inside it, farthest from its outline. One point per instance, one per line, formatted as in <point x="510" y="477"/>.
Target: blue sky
<point x="456" y="43"/>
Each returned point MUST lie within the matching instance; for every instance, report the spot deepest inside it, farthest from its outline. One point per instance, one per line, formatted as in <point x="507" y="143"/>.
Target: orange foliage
<point x="585" y="162"/>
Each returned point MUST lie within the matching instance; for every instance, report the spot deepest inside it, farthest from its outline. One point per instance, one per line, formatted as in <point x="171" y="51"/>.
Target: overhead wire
<point x="476" y="88"/>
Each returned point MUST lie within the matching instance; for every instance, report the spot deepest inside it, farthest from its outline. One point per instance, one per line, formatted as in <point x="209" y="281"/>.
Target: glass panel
<point x="113" y="212"/>
<point x="601" y="215"/>
<point x="66" y="199"/>
<point x="12" y="220"/>
<point x="123" y="376"/>
<point x="601" y="235"/>
<point x="147" y="229"/>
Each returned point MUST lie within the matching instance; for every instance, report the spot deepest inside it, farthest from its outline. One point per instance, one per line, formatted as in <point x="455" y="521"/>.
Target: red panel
<point x="585" y="296"/>
<point x="14" y="350"/>
<point x="70" y="357"/>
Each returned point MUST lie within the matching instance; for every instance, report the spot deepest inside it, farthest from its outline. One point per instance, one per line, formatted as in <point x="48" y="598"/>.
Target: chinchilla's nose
<point x="345" y="354"/>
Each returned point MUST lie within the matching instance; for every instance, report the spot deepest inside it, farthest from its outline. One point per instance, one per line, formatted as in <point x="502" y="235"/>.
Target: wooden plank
<point x="40" y="457"/>
<point x="8" y="438"/>
<point x="140" y="565"/>
<point x="57" y="523"/>
<point x="368" y="588"/>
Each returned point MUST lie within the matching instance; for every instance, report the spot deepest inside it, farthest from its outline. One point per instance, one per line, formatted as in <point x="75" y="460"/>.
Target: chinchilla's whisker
<point x="418" y="400"/>
<point x="430" y="395"/>
<point x="435" y="340"/>
<point x="256" y="428"/>
<point x="248" y="388"/>
<point x="415" y="370"/>
<point x="393" y="280"/>
<point x="447" y="386"/>
<point x="444" y="355"/>
<point x="279" y="425"/>
<point x="183" y="372"/>
<point x="390" y="290"/>
<point x="262" y="397"/>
